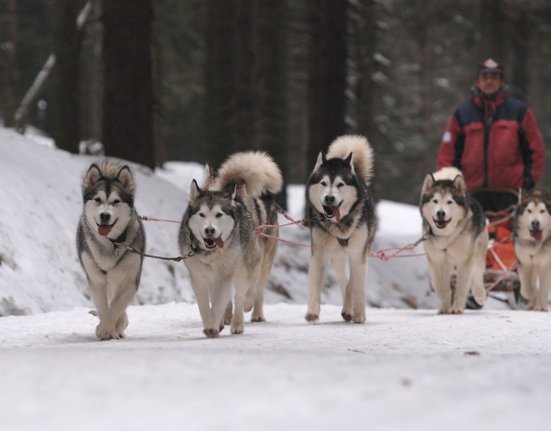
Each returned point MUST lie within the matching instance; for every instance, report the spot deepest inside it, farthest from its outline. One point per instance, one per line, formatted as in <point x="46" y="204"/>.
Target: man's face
<point x="489" y="82"/>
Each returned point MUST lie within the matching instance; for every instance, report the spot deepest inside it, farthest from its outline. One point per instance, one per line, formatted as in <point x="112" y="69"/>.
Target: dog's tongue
<point x="219" y="242"/>
<point x="337" y="214"/>
<point x="104" y="230"/>
<point x="537" y="234"/>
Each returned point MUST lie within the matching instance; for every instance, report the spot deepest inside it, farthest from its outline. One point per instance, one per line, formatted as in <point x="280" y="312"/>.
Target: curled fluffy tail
<point x="255" y="169"/>
<point x="362" y="154"/>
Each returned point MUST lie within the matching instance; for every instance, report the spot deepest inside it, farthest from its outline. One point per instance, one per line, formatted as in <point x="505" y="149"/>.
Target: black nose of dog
<point x="535" y="225"/>
<point x="104" y="218"/>
<point x="329" y="200"/>
<point x="441" y="215"/>
<point x="209" y="231"/>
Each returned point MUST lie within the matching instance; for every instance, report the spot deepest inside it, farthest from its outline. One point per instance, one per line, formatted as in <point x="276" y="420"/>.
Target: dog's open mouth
<point x="536" y="234"/>
<point x="331" y="212"/>
<point x="211" y="243"/>
<point x="104" y="229"/>
<point x="441" y="223"/>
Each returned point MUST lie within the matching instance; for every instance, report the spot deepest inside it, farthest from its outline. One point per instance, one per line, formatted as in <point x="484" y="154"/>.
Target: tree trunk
<point x="219" y="81"/>
<point x="367" y="91"/>
<point x="128" y="83"/>
<point x="8" y="35"/>
<point x="91" y="83"/>
<point x="521" y="35"/>
<point x="492" y="35"/>
<point x="268" y="84"/>
<point x="66" y="130"/>
<point x="327" y="74"/>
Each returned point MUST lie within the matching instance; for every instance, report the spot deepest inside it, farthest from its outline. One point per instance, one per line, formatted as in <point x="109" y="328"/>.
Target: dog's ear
<point x="524" y="196"/>
<point x="194" y="190"/>
<point x="350" y="161"/>
<point x="92" y="176"/>
<point x="428" y="183"/>
<point x="320" y="161"/>
<point x="125" y="177"/>
<point x="459" y="184"/>
<point x="209" y="176"/>
<point x="519" y="196"/>
<point x="209" y="172"/>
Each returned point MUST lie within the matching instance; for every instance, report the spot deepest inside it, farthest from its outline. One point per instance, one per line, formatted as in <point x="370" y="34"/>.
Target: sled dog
<point x="532" y="241"/>
<point x="456" y="239"/>
<point x="341" y="214"/>
<point x="109" y="217"/>
<point x="218" y="229"/>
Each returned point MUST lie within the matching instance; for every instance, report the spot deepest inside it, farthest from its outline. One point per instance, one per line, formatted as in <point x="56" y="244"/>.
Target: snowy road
<point x="402" y="370"/>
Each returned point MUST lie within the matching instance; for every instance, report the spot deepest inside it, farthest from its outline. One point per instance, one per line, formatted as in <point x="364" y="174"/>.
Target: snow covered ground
<point x="405" y="369"/>
<point x="402" y="370"/>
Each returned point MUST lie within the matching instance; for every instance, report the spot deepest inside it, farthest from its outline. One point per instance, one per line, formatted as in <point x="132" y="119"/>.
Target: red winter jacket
<point x="495" y="143"/>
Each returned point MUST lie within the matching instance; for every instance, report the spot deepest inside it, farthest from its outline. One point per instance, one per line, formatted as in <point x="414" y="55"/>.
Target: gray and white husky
<point x="341" y="214"/>
<point x="218" y="228"/>
<point x="532" y="241"/>
<point x="109" y="217"/>
<point x="456" y="239"/>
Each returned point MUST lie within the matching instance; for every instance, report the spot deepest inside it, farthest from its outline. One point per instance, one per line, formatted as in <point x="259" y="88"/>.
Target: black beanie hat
<point x="490" y="65"/>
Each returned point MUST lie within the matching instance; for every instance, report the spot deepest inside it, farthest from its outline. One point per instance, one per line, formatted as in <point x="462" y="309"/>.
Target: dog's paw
<point x="536" y="305"/>
<point x="347" y="317"/>
<point x="238" y="329"/>
<point x="257" y="318"/>
<point x="105" y="333"/>
<point x="228" y="316"/>
<point x="211" y="332"/>
<point x="312" y="317"/>
<point x="455" y="310"/>
<point x="122" y="324"/>
<point x="358" y="318"/>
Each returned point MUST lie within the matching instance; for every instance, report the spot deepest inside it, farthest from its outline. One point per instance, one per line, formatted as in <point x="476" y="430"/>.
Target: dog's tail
<point x="255" y="169"/>
<point x="362" y="154"/>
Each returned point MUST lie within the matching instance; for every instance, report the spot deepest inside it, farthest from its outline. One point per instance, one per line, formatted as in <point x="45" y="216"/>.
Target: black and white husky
<point x="218" y="229"/>
<point x="109" y="217"/>
<point x="456" y="239"/>
<point x="532" y="241"/>
<point x="341" y="214"/>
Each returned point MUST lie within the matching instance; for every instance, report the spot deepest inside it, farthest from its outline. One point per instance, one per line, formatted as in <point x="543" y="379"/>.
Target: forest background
<point x="197" y="80"/>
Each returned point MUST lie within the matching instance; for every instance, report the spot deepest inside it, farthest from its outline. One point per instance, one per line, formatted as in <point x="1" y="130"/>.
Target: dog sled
<point x="501" y="278"/>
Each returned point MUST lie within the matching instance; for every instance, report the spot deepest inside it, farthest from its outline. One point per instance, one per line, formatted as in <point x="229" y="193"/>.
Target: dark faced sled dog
<point x="341" y="215"/>
<point x="532" y="241"/>
<point x="218" y="229"/>
<point x="108" y="218"/>
<point x="456" y="239"/>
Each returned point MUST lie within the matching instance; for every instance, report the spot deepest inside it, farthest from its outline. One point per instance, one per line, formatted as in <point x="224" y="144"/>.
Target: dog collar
<point x="194" y="244"/>
<point x="121" y="238"/>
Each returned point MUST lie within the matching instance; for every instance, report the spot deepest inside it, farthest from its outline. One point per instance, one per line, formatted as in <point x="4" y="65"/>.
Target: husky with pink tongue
<point x="109" y="218"/>
<point x="218" y="235"/>
<point x="341" y="215"/>
<point x="532" y="240"/>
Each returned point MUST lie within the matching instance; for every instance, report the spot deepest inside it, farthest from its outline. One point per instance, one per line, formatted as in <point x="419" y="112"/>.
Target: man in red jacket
<point x="494" y="140"/>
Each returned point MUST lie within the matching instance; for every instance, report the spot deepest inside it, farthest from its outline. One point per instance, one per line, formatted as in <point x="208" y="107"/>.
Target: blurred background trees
<point x="196" y="80"/>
